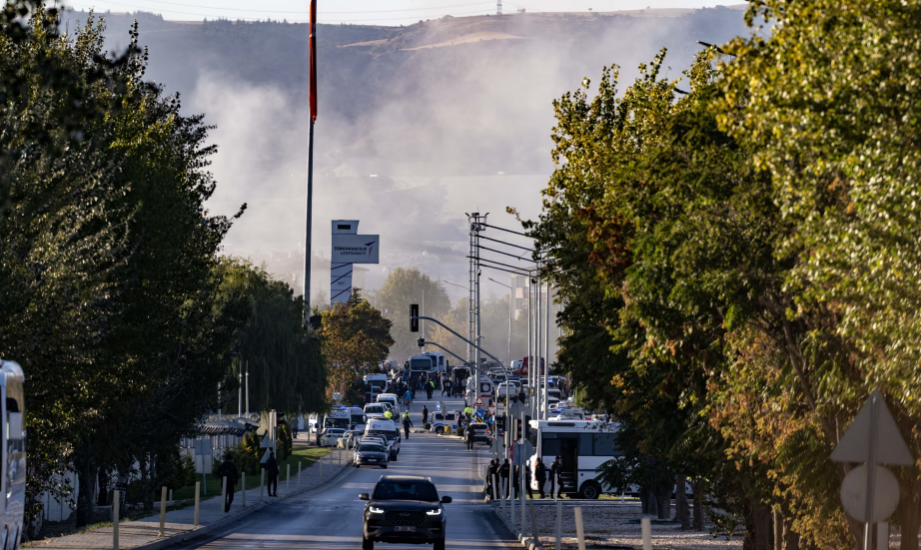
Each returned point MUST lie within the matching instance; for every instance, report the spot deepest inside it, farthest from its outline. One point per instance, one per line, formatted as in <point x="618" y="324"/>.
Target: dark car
<point x="370" y="454"/>
<point x="481" y="432"/>
<point x="404" y="509"/>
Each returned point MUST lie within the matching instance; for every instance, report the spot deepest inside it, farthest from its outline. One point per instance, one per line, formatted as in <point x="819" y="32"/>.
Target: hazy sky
<point x="370" y="12"/>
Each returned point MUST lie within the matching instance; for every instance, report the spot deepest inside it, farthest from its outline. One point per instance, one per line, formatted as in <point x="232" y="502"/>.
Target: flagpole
<point x="312" y="84"/>
<point x="309" y="228"/>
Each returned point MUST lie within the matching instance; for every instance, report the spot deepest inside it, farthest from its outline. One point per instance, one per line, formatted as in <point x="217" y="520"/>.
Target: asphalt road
<point x="331" y="518"/>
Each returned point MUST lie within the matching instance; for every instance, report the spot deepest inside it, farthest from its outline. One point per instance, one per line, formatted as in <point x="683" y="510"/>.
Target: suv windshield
<point x="371" y="449"/>
<point x="379" y="409"/>
<point x="410" y="490"/>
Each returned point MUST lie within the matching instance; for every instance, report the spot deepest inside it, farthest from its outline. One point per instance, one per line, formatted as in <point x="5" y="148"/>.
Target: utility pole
<point x="498" y="7"/>
<point x="476" y="223"/>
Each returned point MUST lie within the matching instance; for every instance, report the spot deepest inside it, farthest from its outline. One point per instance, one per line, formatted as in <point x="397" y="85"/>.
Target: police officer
<point x="388" y="415"/>
<point x="407" y="424"/>
<point x="555" y="470"/>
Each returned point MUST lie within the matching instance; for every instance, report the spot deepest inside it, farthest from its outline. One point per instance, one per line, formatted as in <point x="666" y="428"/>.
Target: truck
<point x="418" y="368"/>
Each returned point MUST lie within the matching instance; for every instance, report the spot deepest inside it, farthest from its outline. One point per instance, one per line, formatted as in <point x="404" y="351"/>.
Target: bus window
<point x="586" y="447"/>
<point x="551" y="447"/>
<point x="604" y="445"/>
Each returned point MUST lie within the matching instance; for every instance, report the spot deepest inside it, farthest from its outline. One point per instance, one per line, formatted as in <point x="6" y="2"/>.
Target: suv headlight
<point x="436" y="512"/>
<point x="375" y="510"/>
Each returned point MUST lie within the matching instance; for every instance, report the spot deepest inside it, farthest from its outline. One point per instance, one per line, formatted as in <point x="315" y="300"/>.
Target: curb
<point x="527" y="542"/>
<point x="166" y="542"/>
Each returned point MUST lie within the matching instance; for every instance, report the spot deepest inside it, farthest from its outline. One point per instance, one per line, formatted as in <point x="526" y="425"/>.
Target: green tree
<point x="355" y="339"/>
<point x="402" y="288"/>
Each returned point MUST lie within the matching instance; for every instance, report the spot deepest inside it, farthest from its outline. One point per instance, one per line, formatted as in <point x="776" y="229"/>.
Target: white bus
<point x="582" y="445"/>
<point x="14" y="453"/>
<point x="440" y="364"/>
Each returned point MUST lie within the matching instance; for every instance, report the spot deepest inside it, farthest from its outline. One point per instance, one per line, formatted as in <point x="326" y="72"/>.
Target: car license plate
<point x="405" y="528"/>
<point x="372" y="460"/>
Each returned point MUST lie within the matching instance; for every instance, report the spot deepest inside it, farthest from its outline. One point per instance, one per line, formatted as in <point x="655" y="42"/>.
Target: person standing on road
<point x="228" y="470"/>
<point x="540" y="474"/>
<point x="446" y="388"/>
<point x="522" y="396"/>
<point x="515" y="481"/>
<point x="469" y="435"/>
<point x="527" y="481"/>
<point x="408" y="399"/>
<point x="407" y="424"/>
<point x="430" y="389"/>
<point x="271" y="470"/>
<point x="425" y="414"/>
<point x="555" y="470"/>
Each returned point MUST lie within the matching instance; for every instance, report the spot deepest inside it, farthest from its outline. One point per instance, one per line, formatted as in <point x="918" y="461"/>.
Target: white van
<point x="389" y="430"/>
<point x="393" y="400"/>
<point x="374" y="411"/>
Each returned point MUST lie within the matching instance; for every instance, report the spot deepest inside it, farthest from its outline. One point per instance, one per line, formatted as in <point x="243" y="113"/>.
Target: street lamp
<point x="511" y="296"/>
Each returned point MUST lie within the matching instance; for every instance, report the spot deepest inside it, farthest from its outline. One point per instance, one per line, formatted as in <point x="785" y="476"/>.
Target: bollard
<point x="288" y="480"/>
<point x="647" y="534"/>
<point x="534" y="534"/>
<point x="223" y="495"/>
<point x="243" y="495"/>
<point x="197" y="500"/>
<point x="299" y="476"/>
<point x="512" y="503"/>
<point x="521" y="492"/>
<point x="162" y="509"/>
<point x="115" y="519"/>
<point x="261" y="484"/>
<point x="580" y="530"/>
<point x="559" y="524"/>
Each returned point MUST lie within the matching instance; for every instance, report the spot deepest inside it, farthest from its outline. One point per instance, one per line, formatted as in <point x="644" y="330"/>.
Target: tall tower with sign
<point x="349" y="248"/>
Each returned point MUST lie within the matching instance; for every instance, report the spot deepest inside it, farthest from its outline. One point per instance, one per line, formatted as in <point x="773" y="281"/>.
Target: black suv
<point x="404" y="509"/>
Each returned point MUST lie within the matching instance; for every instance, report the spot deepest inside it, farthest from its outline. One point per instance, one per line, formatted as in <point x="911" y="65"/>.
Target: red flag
<point x="313" y="61"/>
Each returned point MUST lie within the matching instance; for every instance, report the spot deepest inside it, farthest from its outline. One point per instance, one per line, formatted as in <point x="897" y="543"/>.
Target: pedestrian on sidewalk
<point x="527" y="480"/>
<point x="503" y="476"/>
<point x="540" y="474"/>
<point x="271" y="470"/>
<point x="493" y="469"/>
<point x="425" y="414"/>
<point x="555" y="470"/>
<point x="228" y="470"/>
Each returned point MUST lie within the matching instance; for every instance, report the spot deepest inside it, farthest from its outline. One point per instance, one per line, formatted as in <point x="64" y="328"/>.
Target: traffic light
<point x="500" y="422"/>
<point x="414" y="318"/>
<point x="420" y="342"/>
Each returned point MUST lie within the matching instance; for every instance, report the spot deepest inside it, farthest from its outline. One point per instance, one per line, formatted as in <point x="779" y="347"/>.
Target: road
<point x="331" y="518"/>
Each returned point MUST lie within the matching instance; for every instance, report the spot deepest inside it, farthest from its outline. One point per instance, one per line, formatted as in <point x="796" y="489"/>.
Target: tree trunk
<point x="682" y="513"/>
<point x="909" y="514"/>
<point x="86" y="482"/>
<point x="664" y="501"/>
<point x="778" y="530"/>
<point x="698" y="487"/>
<point x="790" y="537"/>
<point x="761" y="518"/>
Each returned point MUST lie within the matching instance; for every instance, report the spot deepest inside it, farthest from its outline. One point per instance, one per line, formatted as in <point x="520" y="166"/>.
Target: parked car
<point x="404" y="509"/>
<point x="330" y="437"/>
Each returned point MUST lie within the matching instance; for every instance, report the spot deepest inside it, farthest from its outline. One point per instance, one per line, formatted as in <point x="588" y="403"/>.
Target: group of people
<point x="505" y="471"/>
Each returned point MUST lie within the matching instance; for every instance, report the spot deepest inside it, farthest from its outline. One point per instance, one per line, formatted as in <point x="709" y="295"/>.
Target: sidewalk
<point x="143" y="533"/>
